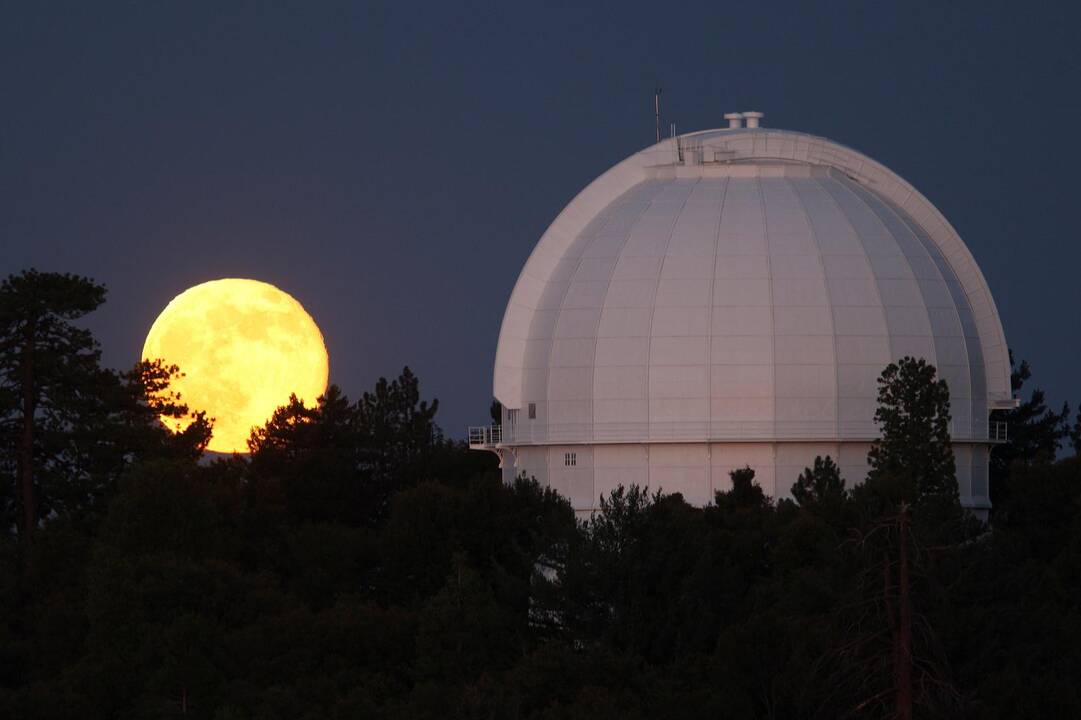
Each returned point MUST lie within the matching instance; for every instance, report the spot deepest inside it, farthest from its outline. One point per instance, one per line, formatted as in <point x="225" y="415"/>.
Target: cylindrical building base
<point x="585" y="473"/>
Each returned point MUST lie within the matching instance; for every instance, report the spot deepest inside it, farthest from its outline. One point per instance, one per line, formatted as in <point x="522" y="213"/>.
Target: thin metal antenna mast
<point x="657" y="109"/>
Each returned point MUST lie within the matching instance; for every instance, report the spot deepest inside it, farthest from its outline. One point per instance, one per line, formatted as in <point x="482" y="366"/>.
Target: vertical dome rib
<point x="865" y="348"/>
<point x="772" y="309"/>
<point x="941" y="299"/>
<point x="741" y="325"/>
<point x="663" y="349"/>
<point x="799" y="188"/>
<point x="709" y="323"/>
<point x="618" y="245"/>
<point x="804" y="357"/>
<point x="902" y="313"/>
<point x="969" y="336"/>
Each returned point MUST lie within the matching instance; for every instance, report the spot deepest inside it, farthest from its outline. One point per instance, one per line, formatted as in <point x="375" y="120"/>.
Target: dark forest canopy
<point x="359" y="564"/>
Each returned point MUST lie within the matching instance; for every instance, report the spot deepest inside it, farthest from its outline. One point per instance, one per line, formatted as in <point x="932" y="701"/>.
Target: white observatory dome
<point x="729" y="298"/>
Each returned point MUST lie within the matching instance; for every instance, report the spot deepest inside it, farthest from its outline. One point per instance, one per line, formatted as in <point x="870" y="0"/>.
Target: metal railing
<point x="997" y="432"/>
<point x="483" y="436"/>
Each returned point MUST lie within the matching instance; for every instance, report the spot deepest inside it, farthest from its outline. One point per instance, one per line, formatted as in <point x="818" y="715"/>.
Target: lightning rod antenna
<point x="657" y="110"/>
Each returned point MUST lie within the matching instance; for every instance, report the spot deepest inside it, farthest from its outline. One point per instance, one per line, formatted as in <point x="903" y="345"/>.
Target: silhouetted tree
<point x="341" y="461"/>
<point x="145" y="414"/>
<point x="502" y="530"/>
<point x="821" y="484"/>
<point x="47" y="365"/>
<point x="398" y="434"/>
<point x="886" y="658"/>
<point x="913" y="416"/>
<point x="742" y="522"/>
<point x="745" y="491"/>
<point x="281" y="586"/>
<point x="313" y="456"/>
<point x="887" y="654"/>
<point x="462" y="631"/>
<point x="72" y="426"/>
<point x="1034" y="432"/>
<point x="1075" y="434"/>
<point x="123" y="422"/>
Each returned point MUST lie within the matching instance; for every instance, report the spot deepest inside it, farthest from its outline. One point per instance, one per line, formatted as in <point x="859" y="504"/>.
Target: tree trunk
<point x="904" y="630"/>
<point x="26" y="437"/>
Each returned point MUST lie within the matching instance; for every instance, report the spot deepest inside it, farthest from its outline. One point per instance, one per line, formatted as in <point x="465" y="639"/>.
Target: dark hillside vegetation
<point x="359" y="564"/>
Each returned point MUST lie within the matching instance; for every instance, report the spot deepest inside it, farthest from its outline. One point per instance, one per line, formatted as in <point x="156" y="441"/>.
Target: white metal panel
<point x="631" y="267"/>
<point x="740" y="266"/>
<point x="806" y="381"/>
<point x="621" y="322"/>
<point x="616" y="465"/>
<point x="752" y="414"/>
<point x="800" y="320"/>
<point x="570" y="383"/>
<point x="675" y="418"/>
<point x="860" y="350"/>
<point x="679" y="381"/>
<point x="679" y="351"/>
<point x="631" y="293"/>
<point x="577" y="323"/>
<point x="742" y="320"/>
<point x="573" y="482"/>
<point x="804" y="350"/>
<point x="573" y="352"/>
<point x="681" y="468"/>
<point x="684" y="292"/>
<point x="688" y="267"/>
<point x="741" y="350"/>
<point x="616" y="383"/>
<point x="859" y="321"/>
<point x="859" y="381"/>
<point x="801" y="292"/>
<point x="900" y="291"/>
<point x="680" y="321"/>
<point x="739" y="292"/>
<point x="618" y="351"/>
<point x="739" y="381"/>
<point x="724" y="458"/>
<point x="626" y="412"/>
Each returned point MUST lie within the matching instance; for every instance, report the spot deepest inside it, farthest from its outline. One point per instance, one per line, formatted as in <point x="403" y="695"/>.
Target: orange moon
<point x="244" y="347"/>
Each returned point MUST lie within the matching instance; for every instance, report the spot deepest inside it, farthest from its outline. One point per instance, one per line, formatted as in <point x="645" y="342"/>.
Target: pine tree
<point x="312" y="456"/>
<point x="1034" y="431"/>
<point x="913" y="416"/>
<point x="48" y="366"/>
<point x="821" y="484"/>
<point x="1075" y="434"/>
<point x="398" y="425"/>
<point x="70" y="425"/>
<point x="342" y="461"/>
<point x="912" y="485"/>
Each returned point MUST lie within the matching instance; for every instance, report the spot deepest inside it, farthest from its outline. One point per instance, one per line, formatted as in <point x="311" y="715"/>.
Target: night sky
<point x="392" y="165"/>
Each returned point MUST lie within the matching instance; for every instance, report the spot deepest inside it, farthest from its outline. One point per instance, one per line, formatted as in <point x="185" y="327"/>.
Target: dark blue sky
<point x="391" y="165"/>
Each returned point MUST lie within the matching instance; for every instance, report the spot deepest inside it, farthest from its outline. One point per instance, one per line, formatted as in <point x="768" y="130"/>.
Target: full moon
<point x="243" y="346"/>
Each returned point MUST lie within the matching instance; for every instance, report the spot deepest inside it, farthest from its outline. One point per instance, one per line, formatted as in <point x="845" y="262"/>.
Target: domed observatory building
<point x="728" y="298"/>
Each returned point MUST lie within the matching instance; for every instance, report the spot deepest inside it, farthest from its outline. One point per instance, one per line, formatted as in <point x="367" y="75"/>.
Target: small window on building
<point x="532" y="411"/>
<point x="570" y="459"/>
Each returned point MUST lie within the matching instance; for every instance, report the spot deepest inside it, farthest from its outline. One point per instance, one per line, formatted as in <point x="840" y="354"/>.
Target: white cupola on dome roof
<point x="728" y="298"/>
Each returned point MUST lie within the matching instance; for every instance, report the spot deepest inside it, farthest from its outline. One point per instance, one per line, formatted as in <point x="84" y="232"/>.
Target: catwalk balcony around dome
<point x="493" y="436"/>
